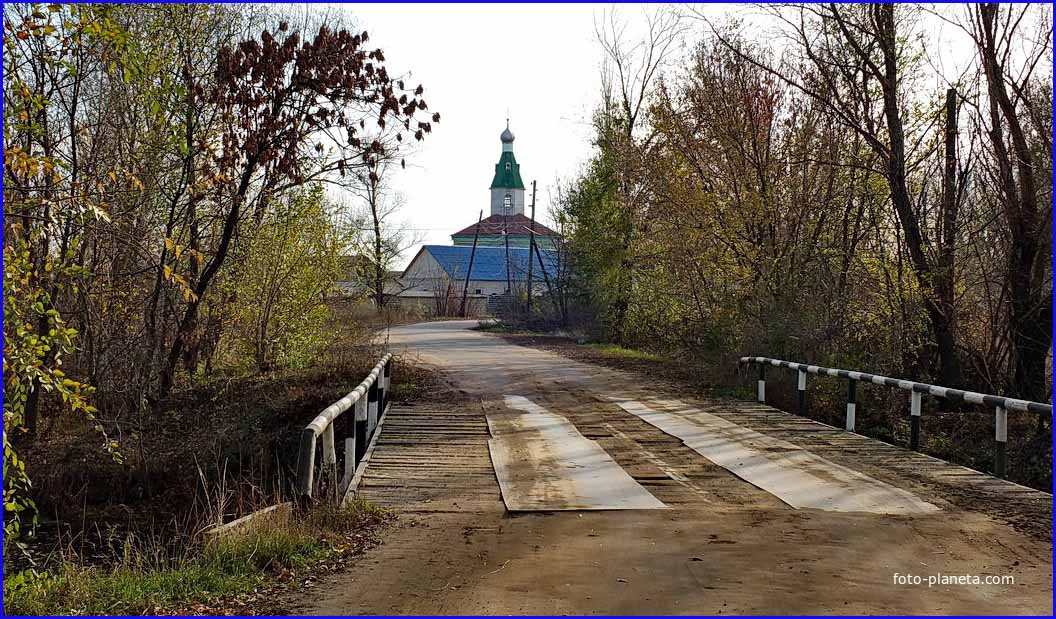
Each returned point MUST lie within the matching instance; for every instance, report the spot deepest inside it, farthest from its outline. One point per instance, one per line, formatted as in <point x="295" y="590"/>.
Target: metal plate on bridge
<point x="796" y="476"/>
<point x="543" y="463"/>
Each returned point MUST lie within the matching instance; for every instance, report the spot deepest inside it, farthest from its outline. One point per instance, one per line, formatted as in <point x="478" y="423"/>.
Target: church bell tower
<point x="507" y="189"/>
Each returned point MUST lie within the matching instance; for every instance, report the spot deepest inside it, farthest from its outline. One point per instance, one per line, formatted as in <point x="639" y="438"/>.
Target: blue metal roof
<point x="489" y="264"/>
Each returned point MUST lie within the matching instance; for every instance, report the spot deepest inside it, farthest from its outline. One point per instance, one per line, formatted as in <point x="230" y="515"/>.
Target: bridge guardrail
<point x="368" y="400"/>
<point x="917" y="390"/>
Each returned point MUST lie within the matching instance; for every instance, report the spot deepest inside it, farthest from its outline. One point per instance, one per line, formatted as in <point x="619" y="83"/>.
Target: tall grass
<point x="149" y="572"/>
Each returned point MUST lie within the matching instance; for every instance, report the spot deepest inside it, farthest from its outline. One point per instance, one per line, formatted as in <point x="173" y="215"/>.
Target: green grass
<point x="491" y="326"/>
<point x="228" y="567"/>
<point x="93" y="591"/>
<point x="619" y="352"/>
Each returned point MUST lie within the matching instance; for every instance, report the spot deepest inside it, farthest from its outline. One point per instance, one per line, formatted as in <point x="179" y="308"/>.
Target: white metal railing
<point x="368" y="402"/>
<point x="917" y="390"/>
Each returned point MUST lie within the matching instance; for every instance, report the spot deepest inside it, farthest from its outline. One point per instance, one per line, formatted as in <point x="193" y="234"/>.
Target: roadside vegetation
<point x="174" y="240"/>
<point x="621" y="352"/>
<point x="221" y="576"/>
<point x="130" y="536"/>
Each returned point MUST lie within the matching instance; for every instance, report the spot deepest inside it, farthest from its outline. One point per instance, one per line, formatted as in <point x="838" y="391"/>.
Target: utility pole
<point x="531" y="250"/>
<point x="506" y="206"/>
<point x="472" y="253"/>
<point x="549" y="288"/>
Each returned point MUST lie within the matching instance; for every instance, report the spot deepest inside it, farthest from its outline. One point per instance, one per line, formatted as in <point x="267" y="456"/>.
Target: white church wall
<point x="498" y="197"/>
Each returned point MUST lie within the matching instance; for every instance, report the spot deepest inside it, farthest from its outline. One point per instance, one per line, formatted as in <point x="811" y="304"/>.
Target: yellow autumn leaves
<point x="170" y="275"/>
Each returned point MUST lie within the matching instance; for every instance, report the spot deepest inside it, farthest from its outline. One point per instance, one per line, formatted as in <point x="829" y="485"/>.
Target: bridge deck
<point x="432" y="459"/>
<point x="1026" y="509"/>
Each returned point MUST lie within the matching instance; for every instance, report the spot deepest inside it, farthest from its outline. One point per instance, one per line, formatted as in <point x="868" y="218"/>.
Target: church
<point x="494" y="253"/>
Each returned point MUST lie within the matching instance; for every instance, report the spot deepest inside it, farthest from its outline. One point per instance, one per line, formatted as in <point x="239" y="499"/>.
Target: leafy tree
<point x="597" y="228"/>
<point x="292" y="111"/>
<point x="46" y="210"/>
<point x="1019" y="128"/>
<point x="279" y="295"/>
<point x="149" y="150"/>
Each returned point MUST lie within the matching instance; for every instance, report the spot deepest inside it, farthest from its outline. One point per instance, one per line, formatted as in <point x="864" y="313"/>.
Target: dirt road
<point x="721" y="545"/>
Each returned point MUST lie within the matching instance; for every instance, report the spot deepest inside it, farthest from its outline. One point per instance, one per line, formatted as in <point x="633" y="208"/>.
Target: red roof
<point x="515" y="225"/>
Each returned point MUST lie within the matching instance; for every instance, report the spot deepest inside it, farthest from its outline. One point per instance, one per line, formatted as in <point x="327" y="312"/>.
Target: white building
<point x="497" y="249"/>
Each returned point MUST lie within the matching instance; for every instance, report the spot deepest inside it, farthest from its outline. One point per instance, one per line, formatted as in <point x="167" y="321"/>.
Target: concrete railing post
<point x="761" y="384"/>
<point x="801" y="394"/>
<point x="349" y="451"/>
<point x="851" y="404"/>
<point x="914" y="420"/>
<point x="1000" y="441"/>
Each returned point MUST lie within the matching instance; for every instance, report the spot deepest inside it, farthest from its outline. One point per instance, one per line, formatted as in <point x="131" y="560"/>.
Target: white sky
<point x="476" y="61"/>
<point x="542" y="63"/>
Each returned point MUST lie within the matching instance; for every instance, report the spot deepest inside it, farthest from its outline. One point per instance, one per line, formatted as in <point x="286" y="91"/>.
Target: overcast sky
<point x="541" y="62"/>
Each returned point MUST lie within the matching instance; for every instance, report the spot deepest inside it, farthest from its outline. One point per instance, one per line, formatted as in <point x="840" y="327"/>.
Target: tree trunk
<point x="190" y="315"/>
<point x="1030" y="302"/>
<point x="929" y="278"/>
<point x="945" y="272"/>
<point x="379" y="261"/>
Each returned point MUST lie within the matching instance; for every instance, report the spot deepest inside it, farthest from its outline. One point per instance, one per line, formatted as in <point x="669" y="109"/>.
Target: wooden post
<point x="472" y="254"/>
<point x="506" y="237"/>
<point x="761" y="384"/>
<point x="531" y="250"/>
<point x="546" y="278"/>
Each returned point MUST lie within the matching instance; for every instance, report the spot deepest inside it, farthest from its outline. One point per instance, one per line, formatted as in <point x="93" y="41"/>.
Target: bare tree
<point x="1020" y="146"/>
<point x="380" y="240"/>
<point x="446" y="294"/>
<point x="859" y="60"/>
<point x="632" y="66"/>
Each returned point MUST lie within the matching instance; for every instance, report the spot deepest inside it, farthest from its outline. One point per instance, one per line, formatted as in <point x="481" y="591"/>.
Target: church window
<point x="506" y="203"/>
<point x="508" y="166"/>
